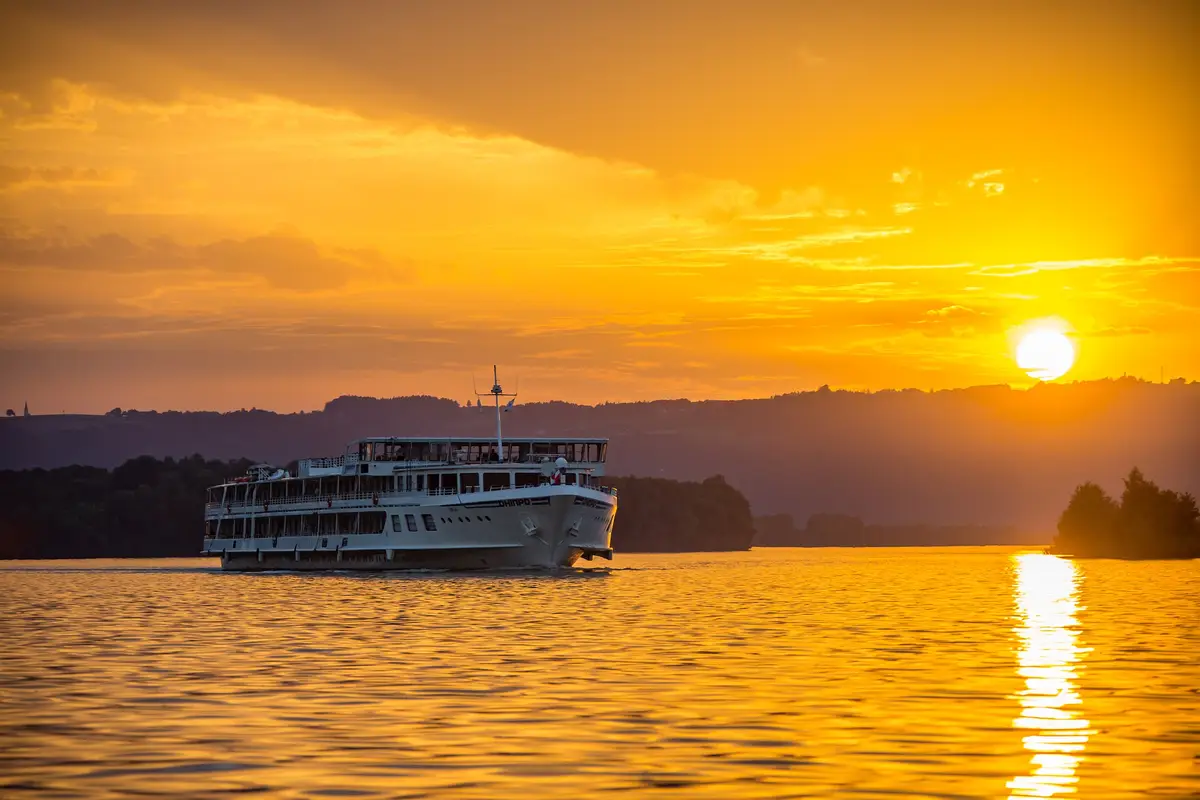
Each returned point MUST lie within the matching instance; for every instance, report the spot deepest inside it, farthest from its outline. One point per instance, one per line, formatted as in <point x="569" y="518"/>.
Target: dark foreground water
<point x="957" y="672"/>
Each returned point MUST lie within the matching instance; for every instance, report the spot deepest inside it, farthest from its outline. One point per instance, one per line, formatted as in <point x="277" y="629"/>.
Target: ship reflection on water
<point x="1051" y="716"/>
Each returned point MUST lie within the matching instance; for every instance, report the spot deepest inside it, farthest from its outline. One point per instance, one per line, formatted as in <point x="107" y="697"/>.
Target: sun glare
<point x="1045" y="354"/>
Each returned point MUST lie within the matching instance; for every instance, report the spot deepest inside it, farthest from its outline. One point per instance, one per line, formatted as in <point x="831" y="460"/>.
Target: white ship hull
<point x="546" y="526"/>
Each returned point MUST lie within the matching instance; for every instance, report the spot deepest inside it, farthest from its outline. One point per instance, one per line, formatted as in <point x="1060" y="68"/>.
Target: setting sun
<point x="1045" y="354"/>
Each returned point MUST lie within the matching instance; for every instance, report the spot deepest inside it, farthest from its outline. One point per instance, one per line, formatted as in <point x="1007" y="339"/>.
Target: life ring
<point x="375" y="499"/>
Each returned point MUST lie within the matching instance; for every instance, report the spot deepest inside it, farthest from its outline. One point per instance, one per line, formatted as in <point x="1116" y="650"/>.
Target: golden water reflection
<point x="1056" y="733"/>
<point x="756" y="675"/>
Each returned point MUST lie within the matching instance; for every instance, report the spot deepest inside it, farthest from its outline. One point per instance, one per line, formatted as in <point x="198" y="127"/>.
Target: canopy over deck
<point x="385" y="454"/>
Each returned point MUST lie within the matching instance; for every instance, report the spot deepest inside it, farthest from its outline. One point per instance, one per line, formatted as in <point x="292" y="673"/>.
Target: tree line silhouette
<point x="150" y="508"/>
<point x="1148" y="522"/>
<point x="844" y="530"/>
<point x="662" y="515"/>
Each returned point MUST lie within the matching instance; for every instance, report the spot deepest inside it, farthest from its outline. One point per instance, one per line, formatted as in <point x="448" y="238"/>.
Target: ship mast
<point x="496" y="393"/>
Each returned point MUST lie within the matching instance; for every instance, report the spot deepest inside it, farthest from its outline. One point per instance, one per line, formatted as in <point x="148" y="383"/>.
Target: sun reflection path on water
<point x="1056" y="733"/>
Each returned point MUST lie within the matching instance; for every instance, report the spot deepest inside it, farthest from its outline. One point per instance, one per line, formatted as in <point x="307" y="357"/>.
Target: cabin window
<point x="420" y="483"/>
<point x="411" y="522"/>
<point x="593" y="453"/>
<point x="572" y="478"/>
<point x="397" y="525"/>
<point x="430" y="525"/>
<point x="495" y="480"/>
<point x="470" y="481"/>
<point x="525" y="479"/>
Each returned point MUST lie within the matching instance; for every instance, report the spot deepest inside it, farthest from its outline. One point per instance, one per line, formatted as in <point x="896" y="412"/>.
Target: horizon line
<point x="824" y="388"/>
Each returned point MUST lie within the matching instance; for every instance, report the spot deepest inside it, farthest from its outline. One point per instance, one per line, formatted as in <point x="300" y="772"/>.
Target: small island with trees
<point x="1147" y="523"/>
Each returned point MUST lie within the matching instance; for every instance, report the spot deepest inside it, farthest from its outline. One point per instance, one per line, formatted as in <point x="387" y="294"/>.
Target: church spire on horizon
<point x="25" y="413"/>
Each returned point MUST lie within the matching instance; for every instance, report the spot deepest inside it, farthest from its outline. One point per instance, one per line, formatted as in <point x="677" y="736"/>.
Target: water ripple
<point x="957" y="672"/>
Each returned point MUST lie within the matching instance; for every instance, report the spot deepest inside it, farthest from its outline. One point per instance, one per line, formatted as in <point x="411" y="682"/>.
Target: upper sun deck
<point x="385" y="455"/>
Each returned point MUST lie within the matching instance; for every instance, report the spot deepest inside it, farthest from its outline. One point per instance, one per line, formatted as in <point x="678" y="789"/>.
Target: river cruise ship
<point x="420" y="503"/>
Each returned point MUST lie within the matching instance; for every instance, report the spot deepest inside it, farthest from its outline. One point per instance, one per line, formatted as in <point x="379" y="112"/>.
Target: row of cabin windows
<point x="324" y="524"/>
<point x="437" y="482"/>
<point x="315" y="524"/>
<point x="297" y="525"/>
<point x="452" y="452"/>
<point x="410" y="522"/>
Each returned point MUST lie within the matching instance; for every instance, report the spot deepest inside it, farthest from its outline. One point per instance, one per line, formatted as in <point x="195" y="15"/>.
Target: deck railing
<point x="455" y="459"/>
<point x="328" y="499"/>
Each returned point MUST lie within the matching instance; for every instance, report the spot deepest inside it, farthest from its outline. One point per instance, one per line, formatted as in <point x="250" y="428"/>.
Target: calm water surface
<point x="956" y="672"/>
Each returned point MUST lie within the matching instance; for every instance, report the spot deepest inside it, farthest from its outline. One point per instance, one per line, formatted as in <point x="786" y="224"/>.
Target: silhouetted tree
<point x="1149" y="522"/>
<point x="1090" y="516"/>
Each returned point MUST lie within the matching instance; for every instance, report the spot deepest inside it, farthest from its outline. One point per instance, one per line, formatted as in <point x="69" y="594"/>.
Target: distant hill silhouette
<point x="986" y="455"/>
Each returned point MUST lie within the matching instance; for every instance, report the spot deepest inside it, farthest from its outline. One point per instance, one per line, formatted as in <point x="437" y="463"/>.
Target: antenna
<point x="496" y="393"/>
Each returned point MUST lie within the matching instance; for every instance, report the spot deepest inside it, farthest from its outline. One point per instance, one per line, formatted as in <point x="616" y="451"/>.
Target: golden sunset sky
<point x="215" y="205"/>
